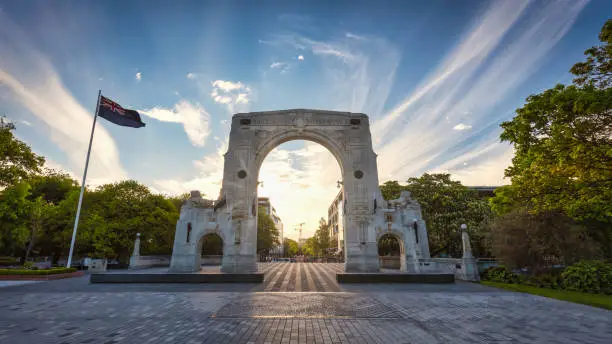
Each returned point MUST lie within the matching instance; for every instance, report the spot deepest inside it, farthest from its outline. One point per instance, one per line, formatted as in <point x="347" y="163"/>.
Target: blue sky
<point x="436" y="79"/>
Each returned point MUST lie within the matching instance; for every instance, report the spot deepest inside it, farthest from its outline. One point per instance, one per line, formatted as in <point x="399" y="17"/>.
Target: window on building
<point x="188" y="231"/>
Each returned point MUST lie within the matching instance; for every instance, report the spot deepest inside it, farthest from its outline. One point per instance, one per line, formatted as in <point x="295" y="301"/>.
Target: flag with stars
<point x="114" y="113"/>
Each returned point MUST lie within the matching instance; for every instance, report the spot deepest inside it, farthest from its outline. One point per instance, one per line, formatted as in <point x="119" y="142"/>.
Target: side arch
<point x="402" y="244"/>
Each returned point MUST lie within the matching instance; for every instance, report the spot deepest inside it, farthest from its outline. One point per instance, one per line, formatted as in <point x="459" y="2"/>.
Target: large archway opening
<point x="211" y="249"/>
<point x="299" y="182"/>
<point x="391" y="251"/>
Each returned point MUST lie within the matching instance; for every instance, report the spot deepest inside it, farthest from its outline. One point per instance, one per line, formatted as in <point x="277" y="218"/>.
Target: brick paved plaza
<point x="297" y="303"/>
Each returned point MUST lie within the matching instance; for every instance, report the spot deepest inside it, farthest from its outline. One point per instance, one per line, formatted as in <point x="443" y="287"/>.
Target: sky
<point x="436" y="79"/>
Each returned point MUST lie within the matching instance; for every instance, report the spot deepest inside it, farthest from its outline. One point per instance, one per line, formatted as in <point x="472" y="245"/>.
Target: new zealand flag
<point x="114" y="113"/>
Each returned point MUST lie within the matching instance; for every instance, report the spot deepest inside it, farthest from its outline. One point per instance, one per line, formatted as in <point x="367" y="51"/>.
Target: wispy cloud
<point x="191" y="76"/>
<point x="194" y="117"/>
<point x="36" y="86"/>
<point x="462" y="126"/>
<point x="138" y="76"/>
<point x="420" y="118"/>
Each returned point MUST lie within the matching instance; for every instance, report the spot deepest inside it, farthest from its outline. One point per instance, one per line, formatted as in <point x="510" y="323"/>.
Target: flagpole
<point x="78" y="213"/>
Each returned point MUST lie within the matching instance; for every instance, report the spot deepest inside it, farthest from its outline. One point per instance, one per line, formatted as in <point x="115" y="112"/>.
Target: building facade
<point x="264" y="202"/>
<point x="335" y="215"/>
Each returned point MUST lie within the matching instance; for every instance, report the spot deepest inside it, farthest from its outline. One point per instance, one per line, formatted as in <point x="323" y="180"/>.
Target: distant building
<point x="264" y="202"/>
<point x="302" y="242"/>
<point x="484" y="191"/>
<point x="335" y="217"/>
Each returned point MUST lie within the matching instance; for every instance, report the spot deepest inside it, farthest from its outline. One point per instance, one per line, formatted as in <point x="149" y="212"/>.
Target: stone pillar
<point x="135" y="258"/>
<point x="412" y="259"/>
<point x="469" y="266"/>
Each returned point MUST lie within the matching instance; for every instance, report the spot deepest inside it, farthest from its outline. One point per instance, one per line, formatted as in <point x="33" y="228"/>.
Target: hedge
<point x="593" y="277"/>
<point x="53" y="271"/>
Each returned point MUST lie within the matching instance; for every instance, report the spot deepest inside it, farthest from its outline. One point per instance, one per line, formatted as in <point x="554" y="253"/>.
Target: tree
<point x="446" y="204"/>
<point x="267" y="233"/>
<point x="177" y="201"/>
<point x="563" y="149"/>
<point x="14" y="209"/>
<point x="391" y="190"/>
<point x="388" y="245"/>
<point x="311" y="247"/>
<point x="290" y="247"/>
<point x="212" y="245"/>
<point x="322" y="237"/>
<point x="17" y="161"/>
<point x="53" y="185"/>
<point x="539" y="241"/>
<point x="597" y="69"/>
<point x="128" y="208"/>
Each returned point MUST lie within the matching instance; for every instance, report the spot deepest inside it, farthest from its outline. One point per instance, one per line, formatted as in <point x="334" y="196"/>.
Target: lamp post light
<point x="463" y="226"/>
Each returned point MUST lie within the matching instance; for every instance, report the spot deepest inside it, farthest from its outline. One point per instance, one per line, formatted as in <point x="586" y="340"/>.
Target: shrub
<point x="543" y="281"/>
<point x="27" y="265"/>
<point x="36" y="272"/>
<point x="589" y="276"/>
<point x="500" y="274"/>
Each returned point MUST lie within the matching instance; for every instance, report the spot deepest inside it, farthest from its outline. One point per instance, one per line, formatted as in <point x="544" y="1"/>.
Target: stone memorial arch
<point x="234" y="215"/>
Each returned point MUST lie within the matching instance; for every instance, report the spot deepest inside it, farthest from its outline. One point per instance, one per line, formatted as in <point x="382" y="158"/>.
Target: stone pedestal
<point x="469" y="266"/>
<point x="135" y="258"/>
<point x="363" y="259"/>
<point x="239" y="263"/>
<point x="97" y="265"/>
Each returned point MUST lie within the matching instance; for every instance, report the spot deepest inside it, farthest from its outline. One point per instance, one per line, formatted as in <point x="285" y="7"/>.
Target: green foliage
<point x="584" y="276"/>
<point x="212" y="245"/>
<point x="589" y="277"/>
<point x="388" y="245"/>
<point x="391" y="190"/>
<point x="14" y="209"/>
<point x="540" y="240"/>
<point x="53" y="271"/>
<point x="500" y="274"/>
<point x="320" y="242"/>
<point x="446" y="204"/>
<point x="267" y="233"/>
<point x="563" y="148"/>
<point x="597" y="69"/>
<point x="17" y="161"/>
<point x="290" y="247"/>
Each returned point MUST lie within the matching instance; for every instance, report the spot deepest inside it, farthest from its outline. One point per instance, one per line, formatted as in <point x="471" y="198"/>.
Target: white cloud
<point x="278" y="65"/>
<point x="195" y="119"/>
<point x="300" y="57"/>
<point x="191" y="76"/>
<point x="462" y="126"/>
<point x="26" y="123"/>
<point x="34" y="84"/>
<point x="354" y="36"/>
<point x="234" y="95"/>
<point x="139" y="76"/>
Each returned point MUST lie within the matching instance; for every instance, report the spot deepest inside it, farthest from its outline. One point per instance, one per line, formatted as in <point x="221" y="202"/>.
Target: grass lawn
<point x="595" y="300"/>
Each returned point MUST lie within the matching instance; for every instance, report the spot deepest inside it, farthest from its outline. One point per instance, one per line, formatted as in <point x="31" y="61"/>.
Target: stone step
<point x="394" y="278"/>
<point x="176" y="278"/>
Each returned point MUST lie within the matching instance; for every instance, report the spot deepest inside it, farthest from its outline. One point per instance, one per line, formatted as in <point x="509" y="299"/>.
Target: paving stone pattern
<point x="73" y="311"/>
